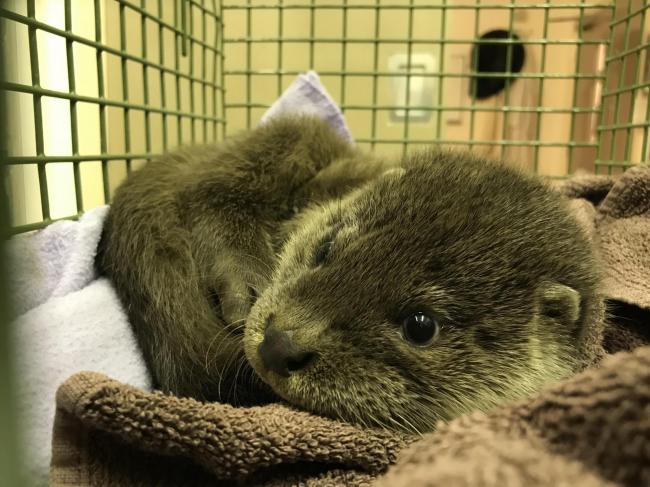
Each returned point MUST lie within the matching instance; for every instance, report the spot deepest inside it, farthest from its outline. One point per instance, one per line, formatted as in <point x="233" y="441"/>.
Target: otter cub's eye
<point x="215" y="302"/>
<point x="322" y="252"/>
<point x="420" y="329"/>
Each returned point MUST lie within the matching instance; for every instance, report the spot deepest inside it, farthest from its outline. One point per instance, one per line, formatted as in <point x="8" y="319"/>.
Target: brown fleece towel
<point x="616" y="213"/>
<point x="259" y="445"/>
<point x="590" y="430"/>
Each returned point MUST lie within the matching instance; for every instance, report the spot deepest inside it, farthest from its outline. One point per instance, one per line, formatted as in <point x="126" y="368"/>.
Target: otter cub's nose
<point x="280" y="355"/>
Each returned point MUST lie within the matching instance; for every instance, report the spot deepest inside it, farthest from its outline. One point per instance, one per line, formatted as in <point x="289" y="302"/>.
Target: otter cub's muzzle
<point x="280" y="355"/>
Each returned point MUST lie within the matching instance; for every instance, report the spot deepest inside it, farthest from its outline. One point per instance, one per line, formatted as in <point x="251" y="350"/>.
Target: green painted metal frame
<point x="374" y="75"/>
<point x="183" y="37"/>
<point x="607" y="159"/>
<point x="12" y="455"/>
<point x="213" y="120"/>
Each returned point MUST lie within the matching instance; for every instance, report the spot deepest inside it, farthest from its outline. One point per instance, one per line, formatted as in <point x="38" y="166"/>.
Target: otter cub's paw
<point x="231" y="297"/>
<point x="451" y="285"/>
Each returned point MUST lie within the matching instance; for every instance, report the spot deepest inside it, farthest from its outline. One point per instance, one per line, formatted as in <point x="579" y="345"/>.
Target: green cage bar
<point x="624" y="130"/>
<point x="197" y="70"/>
<point x="12" y="446"/>
<point x="114" y="142"/>
<point x="338" y="68"/>
<point x="38" y="114"/>
<point x="443" y="23"/>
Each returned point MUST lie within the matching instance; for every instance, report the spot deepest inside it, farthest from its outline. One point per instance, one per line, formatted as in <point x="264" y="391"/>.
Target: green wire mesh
<point x="11" y="444"/>
<point x="545" y="117"/>
<point x="139" y="76"/>
<point x="625" y="122"/>
<point x="156" y="82"/>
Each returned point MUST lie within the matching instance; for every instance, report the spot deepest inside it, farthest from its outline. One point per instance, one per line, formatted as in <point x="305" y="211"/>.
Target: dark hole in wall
<point x="490" y="57"/>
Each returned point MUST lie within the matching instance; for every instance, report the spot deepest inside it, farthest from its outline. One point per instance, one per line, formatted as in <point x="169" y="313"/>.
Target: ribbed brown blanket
<point x="590" y="430"/>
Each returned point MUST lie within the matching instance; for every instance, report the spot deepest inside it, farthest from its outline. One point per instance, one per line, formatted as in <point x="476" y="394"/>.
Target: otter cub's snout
<point x="280" y="355"/>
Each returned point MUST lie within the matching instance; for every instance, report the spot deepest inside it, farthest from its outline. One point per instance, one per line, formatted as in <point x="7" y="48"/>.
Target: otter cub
<point x="191" y="239"/>
<point x="388" y="296"/>
<point x="448" y="285"/>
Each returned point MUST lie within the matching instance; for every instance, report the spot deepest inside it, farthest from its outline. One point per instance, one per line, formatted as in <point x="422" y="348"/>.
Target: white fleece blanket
<point x="67" y="319"/>
<point x="307" y="96"/>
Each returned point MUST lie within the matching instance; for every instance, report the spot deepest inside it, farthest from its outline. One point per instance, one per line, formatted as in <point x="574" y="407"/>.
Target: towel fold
<point x="590" y="430"/>
<point x="307" y="96"/>
<point x="67" y="320"/>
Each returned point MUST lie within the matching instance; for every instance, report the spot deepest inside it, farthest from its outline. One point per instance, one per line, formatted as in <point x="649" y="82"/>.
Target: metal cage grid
<point x="353" y="67"/>
<point x="624" y="128"/>
<point x="166" y="73"/>
<point x="178" y="78"/>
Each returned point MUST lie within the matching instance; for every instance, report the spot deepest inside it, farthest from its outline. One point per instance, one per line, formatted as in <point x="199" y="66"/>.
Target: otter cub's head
<point x="448" y="285"/>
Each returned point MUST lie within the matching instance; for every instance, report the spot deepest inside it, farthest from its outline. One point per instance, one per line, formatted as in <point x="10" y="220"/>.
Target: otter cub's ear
<point x="559" y="303"/>
<point x="341" y="177"/>
<point x="396" y="172"/>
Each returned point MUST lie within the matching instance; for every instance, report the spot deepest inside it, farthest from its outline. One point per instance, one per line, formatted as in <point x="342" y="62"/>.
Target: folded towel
<point x="53" y="262"/>
<point x="307" y="96"/>
<point x="68" y="320"/>
<point x="589" y="430"/>
<point x="229" y="442"/>
<point x="617" y="214"/>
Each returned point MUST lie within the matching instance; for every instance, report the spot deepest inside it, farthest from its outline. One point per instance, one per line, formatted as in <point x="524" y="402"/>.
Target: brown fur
<point x="190" y="239"/>
<point x="493" y="254"/>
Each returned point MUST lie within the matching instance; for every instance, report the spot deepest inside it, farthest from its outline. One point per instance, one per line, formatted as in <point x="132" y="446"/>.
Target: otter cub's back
<point x="190" y="238"/>
<point x="450" y="285"/>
